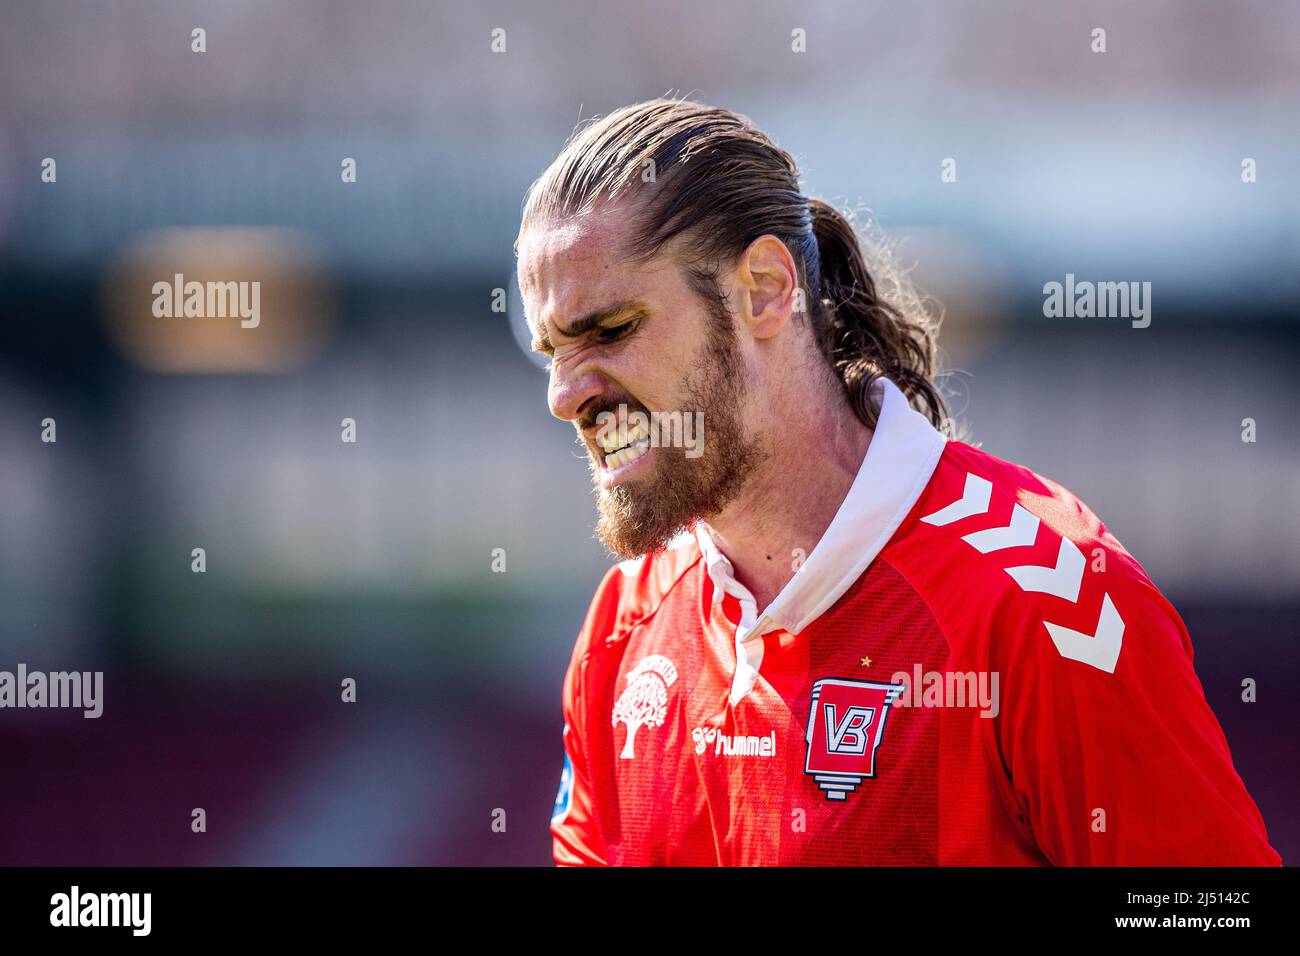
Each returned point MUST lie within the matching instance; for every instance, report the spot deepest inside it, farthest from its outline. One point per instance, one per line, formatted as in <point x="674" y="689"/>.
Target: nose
<point x="571" y="387"/>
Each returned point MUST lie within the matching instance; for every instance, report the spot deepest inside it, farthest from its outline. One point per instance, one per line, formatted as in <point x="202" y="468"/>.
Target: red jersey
<point x="968" y="669"/>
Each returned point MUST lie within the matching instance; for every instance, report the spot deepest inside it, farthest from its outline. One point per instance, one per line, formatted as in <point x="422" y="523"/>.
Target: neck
<point x="791" y="499"/>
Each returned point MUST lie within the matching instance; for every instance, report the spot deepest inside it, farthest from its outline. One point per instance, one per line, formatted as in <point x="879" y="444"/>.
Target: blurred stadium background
<point x="372" y="560"/>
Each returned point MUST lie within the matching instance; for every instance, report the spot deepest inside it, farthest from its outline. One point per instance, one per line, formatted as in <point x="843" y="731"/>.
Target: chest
<point x="816" y="763"/>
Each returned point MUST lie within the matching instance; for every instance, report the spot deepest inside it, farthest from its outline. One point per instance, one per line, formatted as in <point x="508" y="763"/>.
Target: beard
<point x="642" y="516"/>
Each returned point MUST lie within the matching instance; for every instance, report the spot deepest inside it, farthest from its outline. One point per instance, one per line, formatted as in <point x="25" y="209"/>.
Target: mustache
<point x="606" y="406"/>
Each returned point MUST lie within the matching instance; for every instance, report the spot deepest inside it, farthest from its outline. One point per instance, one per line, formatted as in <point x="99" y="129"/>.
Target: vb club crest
<point x="846" y="722"/>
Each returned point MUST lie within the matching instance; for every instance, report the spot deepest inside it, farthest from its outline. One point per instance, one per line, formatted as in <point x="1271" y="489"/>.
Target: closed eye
<point x="604" y="335"/>
<point x="614" y="333"/>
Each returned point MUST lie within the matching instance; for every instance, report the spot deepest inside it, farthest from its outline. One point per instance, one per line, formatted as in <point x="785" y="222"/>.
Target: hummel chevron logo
<point x="974" y="500"/>
<point x="1022" y="531"/>
<point x="1100" y="649"/>
<point x="1063" y="580"/>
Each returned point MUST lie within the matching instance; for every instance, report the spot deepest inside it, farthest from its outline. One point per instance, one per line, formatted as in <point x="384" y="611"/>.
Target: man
<point x="836" y="637"/>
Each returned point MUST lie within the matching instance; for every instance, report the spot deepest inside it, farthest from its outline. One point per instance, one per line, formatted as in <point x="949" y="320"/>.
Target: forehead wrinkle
<point x="587" y="294"/>
<point x="548" y="249"/>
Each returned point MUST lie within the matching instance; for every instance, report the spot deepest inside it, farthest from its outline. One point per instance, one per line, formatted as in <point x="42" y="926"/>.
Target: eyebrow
<point x="542" y="342"/>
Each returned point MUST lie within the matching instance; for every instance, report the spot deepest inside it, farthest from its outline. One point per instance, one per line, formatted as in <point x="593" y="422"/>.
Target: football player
<point x="836" y="635"/>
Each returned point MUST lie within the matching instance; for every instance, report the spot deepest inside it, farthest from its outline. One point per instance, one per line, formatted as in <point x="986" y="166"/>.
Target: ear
<point x="766" y="281"/>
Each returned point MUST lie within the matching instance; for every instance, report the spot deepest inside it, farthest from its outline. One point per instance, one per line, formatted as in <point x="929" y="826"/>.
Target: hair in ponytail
<point x="714" y="179"/>
<point x="862" y="335"/>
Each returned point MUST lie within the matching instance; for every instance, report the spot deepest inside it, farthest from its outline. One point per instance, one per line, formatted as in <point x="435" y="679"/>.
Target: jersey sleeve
<point x="575" y="830"/>
<point x="1111" y="752"/>
<point x="575" y="837"/>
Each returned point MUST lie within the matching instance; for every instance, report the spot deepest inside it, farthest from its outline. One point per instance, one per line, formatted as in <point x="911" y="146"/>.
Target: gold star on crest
<point x="866" y="662"/>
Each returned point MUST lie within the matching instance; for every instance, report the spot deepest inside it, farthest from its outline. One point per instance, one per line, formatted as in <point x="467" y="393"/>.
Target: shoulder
<point x="629" y="593"/>
<point x="632" y="591"/>
<point x="1006" y="558"/>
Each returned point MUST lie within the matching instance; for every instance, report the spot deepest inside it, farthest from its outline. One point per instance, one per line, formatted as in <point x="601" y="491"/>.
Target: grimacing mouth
<point x="620" y="443"/>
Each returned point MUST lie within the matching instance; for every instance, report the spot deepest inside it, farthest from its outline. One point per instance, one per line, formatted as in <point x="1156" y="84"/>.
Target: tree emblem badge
<point x="644" y="702"/>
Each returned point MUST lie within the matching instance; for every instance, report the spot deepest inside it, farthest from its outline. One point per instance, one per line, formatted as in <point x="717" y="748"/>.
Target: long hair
<point x="712" y="178"/>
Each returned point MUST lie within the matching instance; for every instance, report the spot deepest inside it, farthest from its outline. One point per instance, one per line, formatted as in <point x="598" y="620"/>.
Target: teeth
<point x="614" y="439"/>
<point x="625" y="456"/>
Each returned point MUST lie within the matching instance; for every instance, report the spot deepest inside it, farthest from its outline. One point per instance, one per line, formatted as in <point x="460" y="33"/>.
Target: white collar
<point x="900" y="460"/>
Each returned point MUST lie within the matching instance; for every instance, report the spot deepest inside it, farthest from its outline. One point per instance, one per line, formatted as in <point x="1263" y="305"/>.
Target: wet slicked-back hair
<point x="712" y="178"/>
